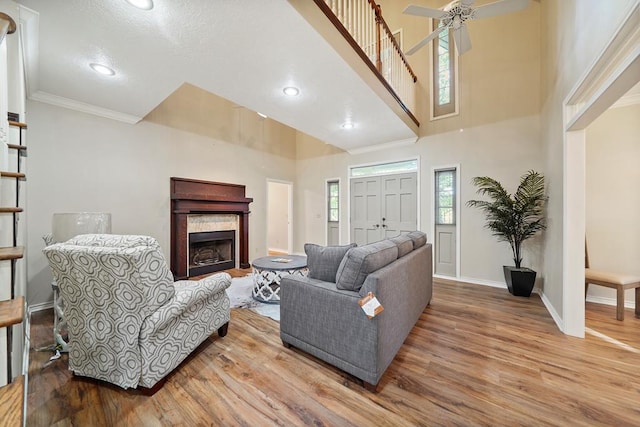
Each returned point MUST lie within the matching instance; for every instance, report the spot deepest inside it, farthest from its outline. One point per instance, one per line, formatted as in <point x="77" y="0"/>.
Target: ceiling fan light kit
<point x="455" y="15"/>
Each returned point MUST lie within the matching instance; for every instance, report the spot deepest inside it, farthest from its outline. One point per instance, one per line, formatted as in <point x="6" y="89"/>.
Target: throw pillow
<point x="359" y="262"/>
<point x="404" y="243"/>
<point x="323" y="261"/>
<point x="419" y="238"/>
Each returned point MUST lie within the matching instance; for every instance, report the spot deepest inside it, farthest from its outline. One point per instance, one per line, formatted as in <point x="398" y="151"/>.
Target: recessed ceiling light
<point x="347" y="125"/>
<point x="264" y="116"/>
<point x="291" y="91"/>
<point x="141" y="4"/>
<point x="102" y="69"/>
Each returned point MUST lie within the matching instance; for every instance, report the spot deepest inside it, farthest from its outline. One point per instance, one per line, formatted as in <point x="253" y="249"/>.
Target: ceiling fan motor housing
<point x="460" y="11"/>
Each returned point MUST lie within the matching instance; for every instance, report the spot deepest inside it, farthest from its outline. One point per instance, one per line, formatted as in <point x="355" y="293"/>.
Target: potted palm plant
<point x="514" y="219"/>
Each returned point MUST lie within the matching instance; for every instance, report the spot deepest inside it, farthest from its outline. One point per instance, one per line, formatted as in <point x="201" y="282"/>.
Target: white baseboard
<point x="609" y="301"/>
<point x="472" y="281"/>
<point x="33" y="308"/>
<point x="552" y="311"/>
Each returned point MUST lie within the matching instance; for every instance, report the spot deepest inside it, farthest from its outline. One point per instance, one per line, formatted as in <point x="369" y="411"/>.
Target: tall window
<point x="333" y="191"/>
<point x="444" y="75"/>
<point x="445" y="197"/>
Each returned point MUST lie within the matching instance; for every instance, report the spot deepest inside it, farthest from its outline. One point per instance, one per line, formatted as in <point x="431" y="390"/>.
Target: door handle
<point x="376" y="225"/>
<point x="384" y="225"/>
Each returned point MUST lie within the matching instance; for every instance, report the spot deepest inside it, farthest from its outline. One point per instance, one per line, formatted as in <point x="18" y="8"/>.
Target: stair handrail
<point x="380" y="21"/>
<point x="363" y="26"/>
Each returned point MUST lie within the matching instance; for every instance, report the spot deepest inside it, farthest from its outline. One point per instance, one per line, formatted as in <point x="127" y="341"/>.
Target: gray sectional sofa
<point x="320" y="314"/>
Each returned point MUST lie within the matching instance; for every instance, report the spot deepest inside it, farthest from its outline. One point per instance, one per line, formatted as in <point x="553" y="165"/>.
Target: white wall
<point x="79" y="162"/>
<point x="499" y="107"/>
<point x="504" y="150"/>
<point x="613" y="202"/>
<point x="573" y="33"/>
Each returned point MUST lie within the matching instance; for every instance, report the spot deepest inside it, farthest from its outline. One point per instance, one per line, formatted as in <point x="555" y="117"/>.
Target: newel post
<point x="379" y="20"/>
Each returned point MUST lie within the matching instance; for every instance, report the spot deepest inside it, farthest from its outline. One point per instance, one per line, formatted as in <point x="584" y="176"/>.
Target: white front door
<point x="365" y="210"/>
<point x="399" y="204"/>
<point x="383" y="206"/>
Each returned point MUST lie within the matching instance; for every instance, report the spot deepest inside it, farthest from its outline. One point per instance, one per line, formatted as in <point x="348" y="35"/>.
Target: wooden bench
<point x="620" y="282"/>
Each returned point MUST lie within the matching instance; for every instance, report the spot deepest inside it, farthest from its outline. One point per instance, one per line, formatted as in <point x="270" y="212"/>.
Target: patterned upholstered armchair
<point x="129" y="323"/>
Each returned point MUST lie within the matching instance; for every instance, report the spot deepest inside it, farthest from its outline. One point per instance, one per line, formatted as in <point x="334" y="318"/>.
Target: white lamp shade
<point x="68" y="225"/>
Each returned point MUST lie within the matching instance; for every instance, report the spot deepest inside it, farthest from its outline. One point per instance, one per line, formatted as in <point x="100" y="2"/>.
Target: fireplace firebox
<point x="211" y="251"/>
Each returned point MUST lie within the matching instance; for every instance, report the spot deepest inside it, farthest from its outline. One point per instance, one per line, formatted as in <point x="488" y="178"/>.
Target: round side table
<point x="269" y="270"/>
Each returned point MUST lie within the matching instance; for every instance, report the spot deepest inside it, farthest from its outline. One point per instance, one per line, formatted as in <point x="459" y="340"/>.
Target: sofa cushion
<point x="362" y="260"/>
<point x="323" y="261"/>
<point x="419" y="238"/>
<point x="404" y="243"/>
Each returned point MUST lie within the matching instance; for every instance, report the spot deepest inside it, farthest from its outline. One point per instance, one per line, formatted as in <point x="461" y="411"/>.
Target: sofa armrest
<point x="214" y="283"/>
<point x="188" y="294"/>
<point x="326" y="318"/>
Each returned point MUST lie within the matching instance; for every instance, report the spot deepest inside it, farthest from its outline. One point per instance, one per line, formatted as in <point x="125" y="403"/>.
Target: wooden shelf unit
<point x="17" y="124"/>
<point x="6" y="174"/>
<point x="12" y="402"/>
<point x="10" y="210"/>
<point x="12" y="311"/>
<point x="11" y="253"/>
<point x="17" y="147"/>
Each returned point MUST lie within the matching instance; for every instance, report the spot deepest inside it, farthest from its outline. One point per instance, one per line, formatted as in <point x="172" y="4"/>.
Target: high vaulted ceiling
<point x="246" y="51"/>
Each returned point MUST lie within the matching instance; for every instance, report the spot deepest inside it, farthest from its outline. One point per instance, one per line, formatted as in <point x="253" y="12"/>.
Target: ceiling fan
<point x="454" y="16"/>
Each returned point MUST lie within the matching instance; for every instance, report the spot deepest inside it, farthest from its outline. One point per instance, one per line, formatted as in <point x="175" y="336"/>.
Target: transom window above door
<point x="385" y="168"/>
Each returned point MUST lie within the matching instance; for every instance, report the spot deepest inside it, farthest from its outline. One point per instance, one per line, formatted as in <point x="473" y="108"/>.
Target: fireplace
<point x="208" y="207"/>
<point x="211" y="251"/>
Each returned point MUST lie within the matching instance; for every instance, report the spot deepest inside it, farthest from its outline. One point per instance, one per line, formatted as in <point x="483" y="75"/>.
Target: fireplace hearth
<point x="192" y="198"/>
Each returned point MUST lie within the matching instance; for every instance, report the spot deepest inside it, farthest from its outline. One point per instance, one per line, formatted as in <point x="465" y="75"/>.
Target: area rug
<point x="240" y="295"/>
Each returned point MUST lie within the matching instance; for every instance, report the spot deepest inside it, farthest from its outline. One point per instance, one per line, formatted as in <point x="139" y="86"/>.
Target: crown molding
<point x="72" y="104"/>
<point x="627" y="100"/>
<point x="385" y="146"/>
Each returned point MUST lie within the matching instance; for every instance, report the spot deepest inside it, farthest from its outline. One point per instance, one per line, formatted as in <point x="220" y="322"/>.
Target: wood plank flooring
<point x="477" y="356"/>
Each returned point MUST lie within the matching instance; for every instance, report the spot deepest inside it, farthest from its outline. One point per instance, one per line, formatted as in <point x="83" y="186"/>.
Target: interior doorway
<point x="279" y="217"/>
<point x="615" y="72"/>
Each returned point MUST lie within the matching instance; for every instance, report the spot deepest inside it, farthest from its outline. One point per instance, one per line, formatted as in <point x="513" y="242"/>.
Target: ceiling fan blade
<point x="424" y="11"/>
<point x="467" y="2"/>
<point x="461" y="39"/>
<point x="426" y="40"/>
<point x="500" y="8"/>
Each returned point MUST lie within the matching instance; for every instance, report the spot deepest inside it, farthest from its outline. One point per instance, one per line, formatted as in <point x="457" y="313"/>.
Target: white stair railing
<point x="363" y="20"/>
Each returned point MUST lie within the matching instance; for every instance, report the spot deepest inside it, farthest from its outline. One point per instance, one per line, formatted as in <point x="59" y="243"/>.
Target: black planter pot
<point x="520" y="281"/>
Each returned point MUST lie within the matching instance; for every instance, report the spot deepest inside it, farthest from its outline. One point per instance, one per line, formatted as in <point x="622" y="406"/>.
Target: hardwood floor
<point x="477" y="356"/>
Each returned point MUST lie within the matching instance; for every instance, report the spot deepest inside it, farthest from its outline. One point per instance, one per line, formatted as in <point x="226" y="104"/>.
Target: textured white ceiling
<point x="243" y="50"/>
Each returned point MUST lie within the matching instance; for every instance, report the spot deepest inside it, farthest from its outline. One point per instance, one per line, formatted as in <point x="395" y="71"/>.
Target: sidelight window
<point x="333" y="201"/>
<point x="445" y="197"/>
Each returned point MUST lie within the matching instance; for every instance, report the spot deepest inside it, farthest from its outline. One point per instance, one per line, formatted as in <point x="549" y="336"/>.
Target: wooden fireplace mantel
<point x="193" y="197"/>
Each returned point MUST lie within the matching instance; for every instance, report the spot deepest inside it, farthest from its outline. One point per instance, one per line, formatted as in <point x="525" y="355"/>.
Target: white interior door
<point x="445" y="239"/>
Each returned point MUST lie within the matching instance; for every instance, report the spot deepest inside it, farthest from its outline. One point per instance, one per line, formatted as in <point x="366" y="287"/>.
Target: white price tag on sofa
<point x="370" y="305"/>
